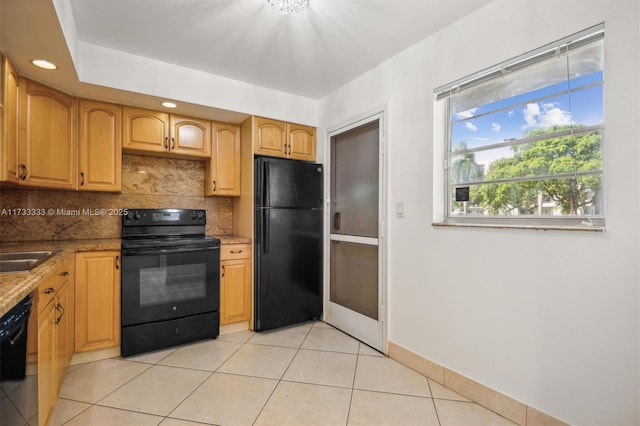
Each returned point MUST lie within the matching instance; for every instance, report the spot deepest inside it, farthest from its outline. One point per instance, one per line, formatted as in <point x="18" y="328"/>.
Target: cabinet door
<point x="97" y="316"/>
<point x="47" y="372"/>
<point x="32" y="334"/>
<point x="9" y="166"/>
<point x="223" y="170"/>
<point x="145" y="130"/>
<point x="64" y="331"/>
<point x="235" y="291"/>
<point x="100" y="146"/>
<point x="190" y="137"/>
<point x="269" y="137"/>
<point x="47" y="154"/>
<point x="301" y="142"/>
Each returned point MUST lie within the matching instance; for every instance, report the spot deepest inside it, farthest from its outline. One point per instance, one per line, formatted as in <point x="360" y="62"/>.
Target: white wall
<point x="101" y="66"/>
<point x="549" y="318"/>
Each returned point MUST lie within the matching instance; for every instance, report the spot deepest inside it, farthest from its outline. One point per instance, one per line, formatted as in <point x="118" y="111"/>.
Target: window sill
<point x="594" y="228"/>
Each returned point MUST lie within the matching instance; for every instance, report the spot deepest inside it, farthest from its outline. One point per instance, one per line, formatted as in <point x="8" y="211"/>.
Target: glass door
<point x="355" y="300"/>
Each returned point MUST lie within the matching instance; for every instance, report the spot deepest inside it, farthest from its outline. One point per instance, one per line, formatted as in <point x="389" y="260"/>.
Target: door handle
<point x="173" y="143"/>
<point x="337" y="219"/>
<point x="266" y="190"/>
<point x="265" y="228"/>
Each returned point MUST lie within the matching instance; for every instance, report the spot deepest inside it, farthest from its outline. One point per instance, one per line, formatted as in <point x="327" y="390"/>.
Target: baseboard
<point x="516" y="411"/>
<point x="233" y="328"/>
<point x="95" y="355"/>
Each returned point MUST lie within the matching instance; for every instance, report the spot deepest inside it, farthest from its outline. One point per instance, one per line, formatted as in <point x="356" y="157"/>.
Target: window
<point x="524" y="139"/>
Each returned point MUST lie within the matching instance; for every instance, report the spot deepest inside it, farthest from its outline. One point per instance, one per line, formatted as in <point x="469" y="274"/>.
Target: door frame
<point x="378" y="114"/>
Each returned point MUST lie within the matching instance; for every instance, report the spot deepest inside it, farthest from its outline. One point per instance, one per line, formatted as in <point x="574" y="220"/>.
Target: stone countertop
<point x="16" y="286"/>
<point x="232" y="239"/>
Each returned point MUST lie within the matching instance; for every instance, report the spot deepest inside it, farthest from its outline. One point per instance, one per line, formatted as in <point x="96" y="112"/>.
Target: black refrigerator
<point x="288" y="242"/>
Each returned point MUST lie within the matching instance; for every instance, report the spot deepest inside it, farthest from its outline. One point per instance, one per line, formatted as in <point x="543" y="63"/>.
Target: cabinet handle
<point x="118" y="262"/>
<point x="81" y="178"/>
<point x="289" y="154"/>
<point x="23" y="171"/>
<point x="236" y="251"/>
<point x="215" y="186"/>
<point x="50" y="290"/>
<point x="64" y="273"/>
<point x="166" y="142"/>
<point x="222" y="271"/>
<point x="173" y="143"/>
<point x="59" y="308"/>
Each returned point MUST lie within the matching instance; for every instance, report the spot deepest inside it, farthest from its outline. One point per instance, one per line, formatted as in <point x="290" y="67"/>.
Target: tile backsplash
<point x="147" y="182"/>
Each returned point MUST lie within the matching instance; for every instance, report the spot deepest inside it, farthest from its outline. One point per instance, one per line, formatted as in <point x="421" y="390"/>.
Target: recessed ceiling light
<point x="41" y="63"/>
<point x="169" y="105"/>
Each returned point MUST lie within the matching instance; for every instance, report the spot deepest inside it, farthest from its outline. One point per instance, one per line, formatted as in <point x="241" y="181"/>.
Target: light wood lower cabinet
<point x="47" y="374"/>
<point x="97" y="324"/>
<point x="235" y="283"/>
<point x="53" y="302"/>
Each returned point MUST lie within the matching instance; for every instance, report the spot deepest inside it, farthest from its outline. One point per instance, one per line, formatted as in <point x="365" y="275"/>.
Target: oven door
<point x="160" y="284"/>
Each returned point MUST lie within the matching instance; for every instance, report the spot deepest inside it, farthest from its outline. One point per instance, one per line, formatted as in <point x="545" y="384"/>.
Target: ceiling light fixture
<point x="169" y="105"/>
<point x="44" y="64"/>
<point x="287" y="7"/>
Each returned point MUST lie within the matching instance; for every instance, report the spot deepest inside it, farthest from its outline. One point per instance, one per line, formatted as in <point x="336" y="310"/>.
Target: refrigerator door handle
<point x="266" y="188"/>
<point x="258" y="182"/>
<point x="265" y="231"/>
<point x="337" y="218"/>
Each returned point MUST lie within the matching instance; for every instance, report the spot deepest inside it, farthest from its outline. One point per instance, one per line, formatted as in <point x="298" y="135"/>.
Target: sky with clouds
<point x="516" y="116"/>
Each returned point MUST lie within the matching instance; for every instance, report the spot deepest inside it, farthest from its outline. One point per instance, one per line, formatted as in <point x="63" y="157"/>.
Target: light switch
<point x="400" y="209"/>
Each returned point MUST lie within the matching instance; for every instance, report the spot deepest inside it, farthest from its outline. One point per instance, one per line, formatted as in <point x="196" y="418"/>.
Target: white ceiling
<point x="308" y="55"/>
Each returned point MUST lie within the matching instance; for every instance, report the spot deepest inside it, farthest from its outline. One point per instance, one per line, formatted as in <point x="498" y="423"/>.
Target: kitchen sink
<point x="23" y="261"/>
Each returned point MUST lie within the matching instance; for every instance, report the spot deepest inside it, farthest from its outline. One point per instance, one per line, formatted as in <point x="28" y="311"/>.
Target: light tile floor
<point x="309" y="374"/>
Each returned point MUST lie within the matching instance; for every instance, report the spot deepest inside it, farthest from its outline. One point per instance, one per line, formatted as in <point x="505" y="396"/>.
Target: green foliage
<point x="465" y="169"/>
<point x="556" y="155"/>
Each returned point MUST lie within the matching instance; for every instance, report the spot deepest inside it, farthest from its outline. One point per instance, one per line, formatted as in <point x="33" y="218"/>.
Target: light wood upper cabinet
<point x="285" y="140"/>
<point x="222" y="175"/>
<point x="97" y="294"/>
<point x="301" y="141"/>
<point x="145" y="130"/>
<point x="47" y="154"/>
<point x="100" y="147"/>
<point x="270" y="137"/>
<point x="152" y="132"/>
<point x="9" y="135"/>
<point x="190" y="136"/>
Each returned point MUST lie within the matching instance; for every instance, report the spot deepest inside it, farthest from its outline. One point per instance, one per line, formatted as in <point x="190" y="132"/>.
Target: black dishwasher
<point x="13" y="341"/>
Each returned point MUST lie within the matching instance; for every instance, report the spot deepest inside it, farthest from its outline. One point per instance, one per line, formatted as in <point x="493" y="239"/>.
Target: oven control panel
<point x="155" y="217"/>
